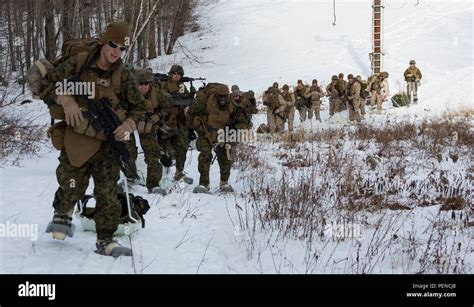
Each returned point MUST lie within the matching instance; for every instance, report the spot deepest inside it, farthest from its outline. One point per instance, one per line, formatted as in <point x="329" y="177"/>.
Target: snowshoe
<point x="226" y="188"/>
<point x="157" y="190"/>
<point x="61" y="227"/>
<point x="184" y="178"/>
<point x="137" y="181"/>
<point x="112" y="248"/>
<point x="201" y="189"/>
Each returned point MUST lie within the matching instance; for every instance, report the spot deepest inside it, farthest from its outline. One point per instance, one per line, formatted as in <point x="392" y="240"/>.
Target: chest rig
<point x="106" y="85"/>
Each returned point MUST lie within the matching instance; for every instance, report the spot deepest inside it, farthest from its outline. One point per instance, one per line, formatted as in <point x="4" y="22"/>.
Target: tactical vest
<point x="300" y="92"/>
<point x="275" y="103"/>
<point x="334" y="90"/>
<point x="288" y="98"/>
<point x="151" y="104"/>
<point x="108" y="85"/>
<point x="376" y="86"/>
<point x="176" y="117"/>
<point x="413" y="71"/>
<point x="315" y="97"/>
<point x="217" y="117"/>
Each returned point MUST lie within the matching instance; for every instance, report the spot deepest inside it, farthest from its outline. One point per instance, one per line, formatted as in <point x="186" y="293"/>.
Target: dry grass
<point x="351" y="175"/>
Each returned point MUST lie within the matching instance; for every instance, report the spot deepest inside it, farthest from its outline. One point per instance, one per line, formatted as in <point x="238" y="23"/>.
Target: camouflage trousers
<point x="205" y="159"/>
<point x="376" y="98"/>
<point x="177" y="146"/>
<point x="273" y="124"/>
<point x="73" y="182"/>
<point x="280" y="122"/>
<point x="363" y="102"/>
<point x="315" y="109"/>
<point x="149" y="144"/>
<point x="412" y="88"/>
<point x="290" y="116"/>
<point x="335" y="105"/>
<point x="354" y="110"/>
<point x="303" y="111"/>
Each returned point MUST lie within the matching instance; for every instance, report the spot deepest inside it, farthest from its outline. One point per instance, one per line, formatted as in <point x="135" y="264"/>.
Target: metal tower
<point x="376" y="57"/>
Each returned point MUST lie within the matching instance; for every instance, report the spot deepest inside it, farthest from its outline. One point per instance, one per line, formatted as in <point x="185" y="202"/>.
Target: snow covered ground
<point x="254" y="43"/>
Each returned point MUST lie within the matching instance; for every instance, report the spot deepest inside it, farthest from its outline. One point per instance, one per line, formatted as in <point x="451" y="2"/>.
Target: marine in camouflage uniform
<point x="288" y="108"/>
<point x="174" y="136"/>
<point x="157" y="106"/>
<point x="207" y="117"/>
<point x="273" y="101"/>
<point x="344" y="87"/>
<point x="335" y="93"/>
<point x="376" y="92"/>
<point x="301" y="102"/>
<point x="246" y="101"/>
<point x="354" y="98"/>
<point x="314" y="93"/>
<point x="84" y="151"/>
<point x="413" y="76"/>
<point x="363" y="100"/>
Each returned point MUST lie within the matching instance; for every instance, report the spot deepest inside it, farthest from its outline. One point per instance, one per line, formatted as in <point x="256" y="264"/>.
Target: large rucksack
<point x="250" y="95"/>
<point x="205" y="92"/>
<point x="364" y="91"/>
<point x="37" y="74"/>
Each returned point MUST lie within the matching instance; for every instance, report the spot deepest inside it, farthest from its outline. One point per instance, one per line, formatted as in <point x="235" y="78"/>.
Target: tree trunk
<point x="49" y="31"/>
<point x="159" y="29"/>
<point x="29" y="32"/>
<point x="11" y="41"/>
<point x="152" y="37"/>
<point x="86" y="12"/>
<point x="67" y="20"/>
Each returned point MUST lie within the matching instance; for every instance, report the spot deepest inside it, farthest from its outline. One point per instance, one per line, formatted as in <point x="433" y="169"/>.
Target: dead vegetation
<point x="336" y="175"/>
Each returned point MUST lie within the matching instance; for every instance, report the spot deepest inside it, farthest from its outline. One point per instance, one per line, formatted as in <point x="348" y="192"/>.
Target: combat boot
<point x="157" y="190"/>
<point x="226" y="187"/>
<point x="112" y="248"/>
<point x="61" y="226"/>
<point x="181" y="176"/>
<point x="201" y="189"/>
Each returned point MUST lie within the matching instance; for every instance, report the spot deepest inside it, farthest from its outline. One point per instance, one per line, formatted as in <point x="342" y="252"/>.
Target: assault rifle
<point x="103" y="119"/>
<point x="178" y="99"/>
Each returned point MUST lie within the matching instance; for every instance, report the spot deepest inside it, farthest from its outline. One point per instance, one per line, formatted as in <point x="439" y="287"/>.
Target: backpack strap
<point x="81" y="62"/>
<point x="117" y="79"/>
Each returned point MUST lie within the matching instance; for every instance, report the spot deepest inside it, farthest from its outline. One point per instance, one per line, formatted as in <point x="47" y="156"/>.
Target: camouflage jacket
<point x="300" y="95"/>
<point x="130" y="98"/>
<point x="411" y="73"/>
<point x="354" y="90"/>
<point x="244" y="116"/>
<point x="207" y="117"/>
<point x="176" y="118"/>
<point x="158" y="102"/>
<point x="334" y="90"/>
<point x="315" y="92"/>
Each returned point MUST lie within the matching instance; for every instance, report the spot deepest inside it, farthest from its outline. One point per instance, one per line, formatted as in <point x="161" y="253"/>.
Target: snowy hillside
<point x="252" y="44"/>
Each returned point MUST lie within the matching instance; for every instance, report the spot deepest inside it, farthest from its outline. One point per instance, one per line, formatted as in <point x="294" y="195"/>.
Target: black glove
<point x="191" y="135"/>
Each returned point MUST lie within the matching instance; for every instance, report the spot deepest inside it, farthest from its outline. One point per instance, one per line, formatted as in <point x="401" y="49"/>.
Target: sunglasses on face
<point x="114" y="45"/>
<point x="144" y="83"/>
